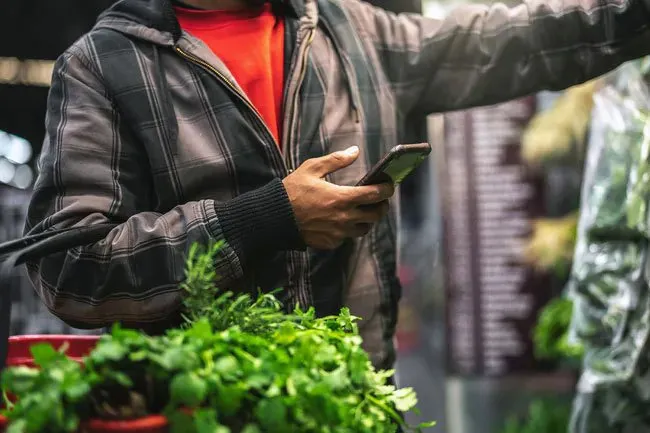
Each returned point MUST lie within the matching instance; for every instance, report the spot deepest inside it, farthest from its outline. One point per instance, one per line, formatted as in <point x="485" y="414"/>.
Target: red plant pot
<point x="78" y="346"/>
<point x="150" y="424"/>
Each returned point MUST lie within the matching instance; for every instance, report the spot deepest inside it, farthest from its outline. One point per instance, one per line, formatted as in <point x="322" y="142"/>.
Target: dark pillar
<point x="38" y="30"/>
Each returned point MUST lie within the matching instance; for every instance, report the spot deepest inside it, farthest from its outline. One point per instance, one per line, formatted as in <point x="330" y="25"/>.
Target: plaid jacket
<point x="146" y="128"/>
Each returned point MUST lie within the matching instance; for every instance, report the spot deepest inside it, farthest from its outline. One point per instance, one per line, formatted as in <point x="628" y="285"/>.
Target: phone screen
<point x="400" y="168"/>
<point x="397" y="165"/>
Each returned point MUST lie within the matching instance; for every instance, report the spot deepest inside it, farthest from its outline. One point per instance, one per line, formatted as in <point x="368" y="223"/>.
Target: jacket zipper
<point x="349" y="70"/>
<point x="292" y="99"/>
<point x="233" y="88"/>
<point x="355" y="100"/>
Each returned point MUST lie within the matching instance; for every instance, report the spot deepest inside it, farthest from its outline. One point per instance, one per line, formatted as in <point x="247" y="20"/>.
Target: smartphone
<point x="397" y="164"/>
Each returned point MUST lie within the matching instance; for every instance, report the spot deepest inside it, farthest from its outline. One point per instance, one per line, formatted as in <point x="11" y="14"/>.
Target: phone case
<point x="397" y="164"/>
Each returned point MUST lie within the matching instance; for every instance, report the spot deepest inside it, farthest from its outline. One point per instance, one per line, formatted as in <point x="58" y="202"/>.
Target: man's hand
<point x="329" y="214"/>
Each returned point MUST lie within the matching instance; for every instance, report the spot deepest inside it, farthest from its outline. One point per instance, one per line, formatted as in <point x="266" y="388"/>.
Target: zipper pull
<point x="356" y="115"/>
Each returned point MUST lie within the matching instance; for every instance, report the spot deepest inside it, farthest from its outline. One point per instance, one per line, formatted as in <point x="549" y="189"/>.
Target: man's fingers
<point x="372" y="194"/>
<point x="369" y="214"/>
<point x="360" y="230"/>
<point x="327" y="164"/>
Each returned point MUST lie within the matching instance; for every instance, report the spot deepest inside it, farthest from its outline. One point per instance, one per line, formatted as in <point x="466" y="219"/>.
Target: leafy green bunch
<point x="551" y="334"/>
<point x="50" y="397"/>
<point x="544" y="416"/>
<point x="240" y="365"/>
<point x="551" y="342"/>
<point x="308" y="377"/>
<point x="203" y="299"/>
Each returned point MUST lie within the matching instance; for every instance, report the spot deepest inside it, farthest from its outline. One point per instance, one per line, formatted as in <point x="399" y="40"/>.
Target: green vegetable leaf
<point x="338" y="379"/>
<point x="19" y="426"/>
<point x="108" y="350"/>
<point x="272" y="415"/>
<point x="181" y="422"/>
<point x="551" y="334"/>
<point x="178" y="358"/>
<point x="76" y="390"/>
<point x="251" y="428"/>
<point x="205" y="421"/>
<point x="258" y="381"/>
<point x="19" y="380"/>
<point x="230" y="399"/>
<point x="44" y="354"/>
<point x="404" y="399"/>
<point x="188" y="389"/>
<point x="426" y="425"/>
<point x="227" y="366"/>
<point x="200" y="329"/>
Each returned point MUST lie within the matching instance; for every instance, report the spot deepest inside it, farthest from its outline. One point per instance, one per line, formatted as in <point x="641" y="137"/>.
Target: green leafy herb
<point x="239" y="365"/>
<point x="188" y="389"/>
<point x="551" y="335"/>
<point x="50" y="398"/>
<point x="544" y="416"/>
<point x="609" y="278"/>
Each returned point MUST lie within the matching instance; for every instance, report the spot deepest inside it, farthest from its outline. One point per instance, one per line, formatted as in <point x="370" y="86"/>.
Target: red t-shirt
<point x="251" y="45"/>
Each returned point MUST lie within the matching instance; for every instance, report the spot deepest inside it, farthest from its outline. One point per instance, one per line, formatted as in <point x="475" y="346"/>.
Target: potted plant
<point x="76" y="347"/>
<point x="239" y="365"/>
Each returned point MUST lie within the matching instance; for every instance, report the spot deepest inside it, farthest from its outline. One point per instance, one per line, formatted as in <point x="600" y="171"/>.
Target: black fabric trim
<point x="290" y="38"/>
<point x="170" y="19"/>
<point x="259" y="222"/>
<point x="157" y="14"/>
<point x="183" y="5"/>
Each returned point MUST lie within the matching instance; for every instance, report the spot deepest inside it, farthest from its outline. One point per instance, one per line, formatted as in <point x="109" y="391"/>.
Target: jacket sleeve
<point x="481" y="55"/>
<point x="91" y="172"/>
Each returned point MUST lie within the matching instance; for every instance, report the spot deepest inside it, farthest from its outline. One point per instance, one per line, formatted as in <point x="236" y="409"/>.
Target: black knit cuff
<point x="260" y="222"/>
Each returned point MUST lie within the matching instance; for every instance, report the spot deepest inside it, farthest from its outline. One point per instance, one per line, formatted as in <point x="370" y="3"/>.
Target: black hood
<point x="159" y="14"/>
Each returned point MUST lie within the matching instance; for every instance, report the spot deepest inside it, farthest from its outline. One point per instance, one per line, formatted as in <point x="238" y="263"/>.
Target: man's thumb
<point x="335" y="161"/>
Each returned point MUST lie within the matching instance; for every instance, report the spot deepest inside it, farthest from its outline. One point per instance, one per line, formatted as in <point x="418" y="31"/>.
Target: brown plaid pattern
<point x="146" y="129"/>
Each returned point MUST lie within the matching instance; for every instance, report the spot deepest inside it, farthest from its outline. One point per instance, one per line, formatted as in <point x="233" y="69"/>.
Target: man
<point x="236" y="120"/>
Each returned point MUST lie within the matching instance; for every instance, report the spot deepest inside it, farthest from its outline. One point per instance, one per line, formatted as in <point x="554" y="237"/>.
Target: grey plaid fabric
<point x="148" y="129"/>
<point x="29" y="315"/>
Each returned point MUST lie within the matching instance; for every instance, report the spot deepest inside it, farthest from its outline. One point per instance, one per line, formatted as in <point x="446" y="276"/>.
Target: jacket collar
<point x="296" y="6"/>
<point x="159" y="14"/>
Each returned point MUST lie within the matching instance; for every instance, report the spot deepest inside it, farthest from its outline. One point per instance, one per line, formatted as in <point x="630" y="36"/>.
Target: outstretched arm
<point x="481" y="55"/>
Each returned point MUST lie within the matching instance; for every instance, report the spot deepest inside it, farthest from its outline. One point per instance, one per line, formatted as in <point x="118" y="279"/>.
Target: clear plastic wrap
<point x="617" y="175"/>
<point x="608" y="282"/>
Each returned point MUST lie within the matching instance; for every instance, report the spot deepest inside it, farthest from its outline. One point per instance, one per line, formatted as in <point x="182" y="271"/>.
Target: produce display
<point x="544" y="416"/>
<point x="558" y="134"/>
<point x="551" y="336"/>
<point x="551" y="342"/>
<point x="608" y="283"/>
<point x="555" y="141"/>
<point x="240" y="365"/>
<point x="551" y="245"/>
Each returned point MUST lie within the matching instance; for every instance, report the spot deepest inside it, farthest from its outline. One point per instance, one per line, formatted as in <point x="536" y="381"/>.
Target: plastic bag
<point x="608" y="281"/>
<point x="617" y="175"/>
